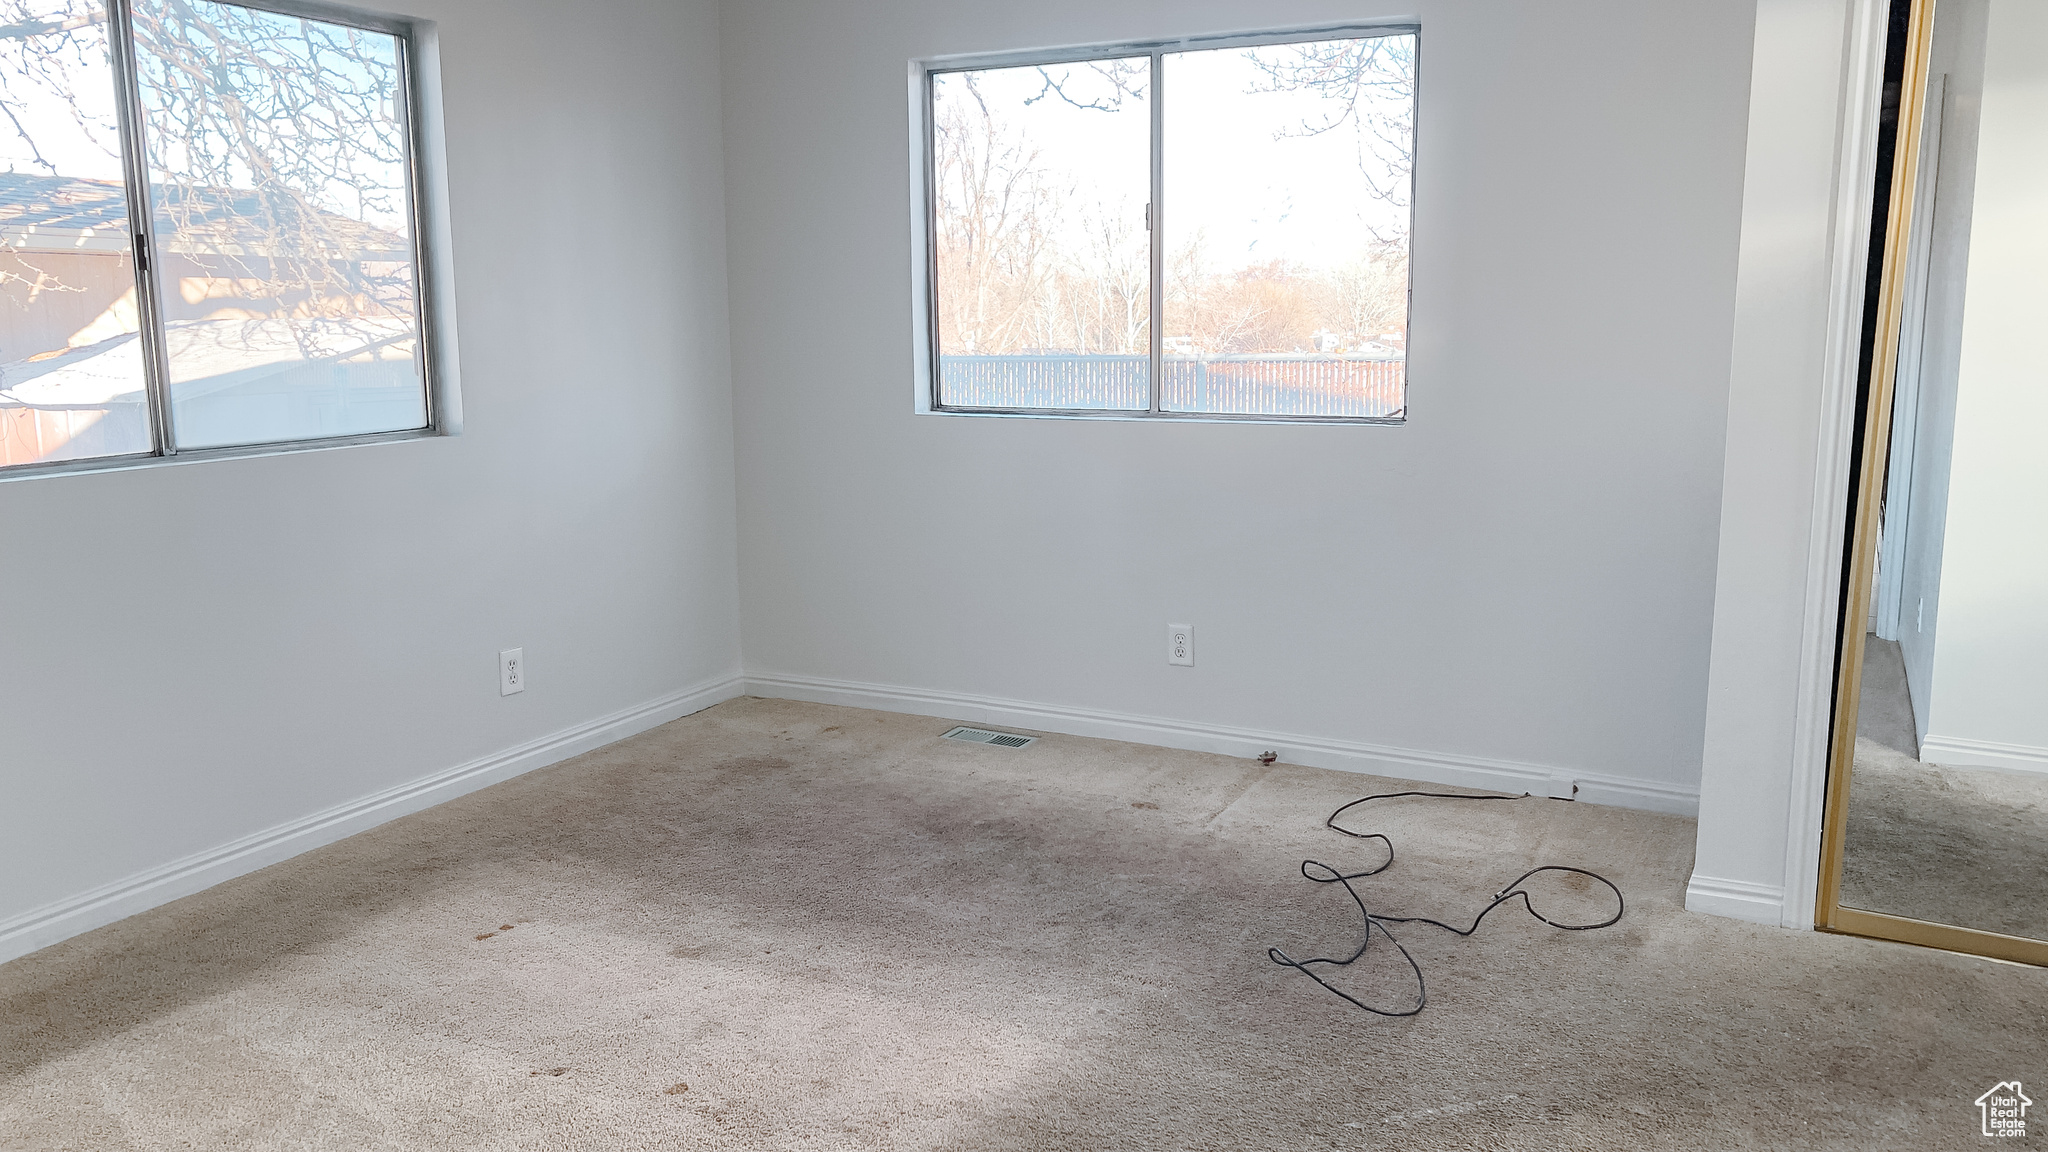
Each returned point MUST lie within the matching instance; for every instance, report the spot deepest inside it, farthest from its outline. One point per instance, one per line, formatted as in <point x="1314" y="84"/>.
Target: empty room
<point x="906" y="574"/>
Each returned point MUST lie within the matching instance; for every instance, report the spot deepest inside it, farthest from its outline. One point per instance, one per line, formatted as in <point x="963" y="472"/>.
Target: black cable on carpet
<point x="1324" y="874"/>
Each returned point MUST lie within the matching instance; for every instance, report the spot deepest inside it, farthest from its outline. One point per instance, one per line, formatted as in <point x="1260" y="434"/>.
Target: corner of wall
<point x="1807" y="194"/>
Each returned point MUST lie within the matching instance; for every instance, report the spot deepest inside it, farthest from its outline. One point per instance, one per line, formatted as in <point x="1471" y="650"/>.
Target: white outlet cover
<point x="1180" y="645"/>
<point x="511" y="671"/>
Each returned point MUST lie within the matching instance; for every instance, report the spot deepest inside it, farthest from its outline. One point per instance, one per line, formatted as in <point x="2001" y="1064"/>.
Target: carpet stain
<point x="547" y="1072"/>
<point x="1145" y="804"/>
<point x="485" y="935"/>
<point x="675" y="1090"/>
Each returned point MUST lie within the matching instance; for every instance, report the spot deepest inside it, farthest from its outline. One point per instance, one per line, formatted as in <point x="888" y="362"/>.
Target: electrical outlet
<point x="1180" y="645"/>
<point x="511" y="671"/>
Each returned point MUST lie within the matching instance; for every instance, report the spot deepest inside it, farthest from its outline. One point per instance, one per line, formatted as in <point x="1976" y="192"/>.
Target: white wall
<point x="1958" y="54"/>
<point x="207" y="655"/>
<point x="1518" y="581"/>
<point x="1798" y="304"/>
<point x="1990" y="677"/>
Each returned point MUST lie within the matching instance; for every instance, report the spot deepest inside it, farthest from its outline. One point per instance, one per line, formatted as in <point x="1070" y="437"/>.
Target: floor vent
<point x="984" y="736"/>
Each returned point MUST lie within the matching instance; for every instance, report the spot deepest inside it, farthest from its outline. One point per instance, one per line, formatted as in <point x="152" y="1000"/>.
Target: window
<point x="1209" y="230"/>
<point x="208" y="230"/>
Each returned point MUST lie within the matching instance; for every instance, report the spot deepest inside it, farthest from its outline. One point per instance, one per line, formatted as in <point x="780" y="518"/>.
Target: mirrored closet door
<point x="1937" y="815"/>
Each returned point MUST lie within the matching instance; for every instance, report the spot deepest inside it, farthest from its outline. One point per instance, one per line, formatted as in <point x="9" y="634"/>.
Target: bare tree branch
<point x="1124" y="77"/>
<point x="1370" y="84"/>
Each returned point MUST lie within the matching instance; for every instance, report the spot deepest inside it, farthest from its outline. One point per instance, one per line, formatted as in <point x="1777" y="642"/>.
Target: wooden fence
<point x="1269" y="385"/>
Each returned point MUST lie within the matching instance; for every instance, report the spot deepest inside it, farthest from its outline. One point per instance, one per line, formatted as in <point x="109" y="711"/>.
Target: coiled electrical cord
<point x="1324" y="874"/>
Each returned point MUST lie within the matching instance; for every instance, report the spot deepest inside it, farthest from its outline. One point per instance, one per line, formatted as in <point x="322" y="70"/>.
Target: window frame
<point x="418" y="100"/>
<point x="924" y="214"/>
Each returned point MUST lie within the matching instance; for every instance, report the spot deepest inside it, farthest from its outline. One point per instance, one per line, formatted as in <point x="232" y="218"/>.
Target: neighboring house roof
<point x="28" y="201"/>
<point x="70" y="214"/>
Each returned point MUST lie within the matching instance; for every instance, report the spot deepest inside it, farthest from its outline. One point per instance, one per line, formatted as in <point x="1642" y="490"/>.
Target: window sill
<point x="198" y="455"/>
<point x="1157" y="417"/>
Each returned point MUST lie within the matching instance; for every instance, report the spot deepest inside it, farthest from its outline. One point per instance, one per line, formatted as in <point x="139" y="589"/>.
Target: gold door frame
<point x="1829" y="915"/>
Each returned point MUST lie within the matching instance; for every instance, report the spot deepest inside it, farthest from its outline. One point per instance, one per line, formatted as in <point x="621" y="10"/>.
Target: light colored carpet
<point x="838" y="931"/>
<point x="1964" y="846"/>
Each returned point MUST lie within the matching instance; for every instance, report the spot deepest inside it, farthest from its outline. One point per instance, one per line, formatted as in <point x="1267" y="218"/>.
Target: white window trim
<point x="923" y="275"/>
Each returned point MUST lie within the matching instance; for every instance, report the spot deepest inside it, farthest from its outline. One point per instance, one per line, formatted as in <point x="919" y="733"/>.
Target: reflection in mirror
<point x="1947" y="812"/>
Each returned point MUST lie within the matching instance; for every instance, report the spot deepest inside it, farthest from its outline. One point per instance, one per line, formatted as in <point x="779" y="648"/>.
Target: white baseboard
<point x="1738" y="900"/>
<point x="1965" y="753"/>
<point x="1316" y="752"/>
<point x="42" y="927"/>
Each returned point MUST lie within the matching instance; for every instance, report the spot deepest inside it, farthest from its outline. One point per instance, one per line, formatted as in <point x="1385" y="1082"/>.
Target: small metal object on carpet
<point x="984" y="736"/>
